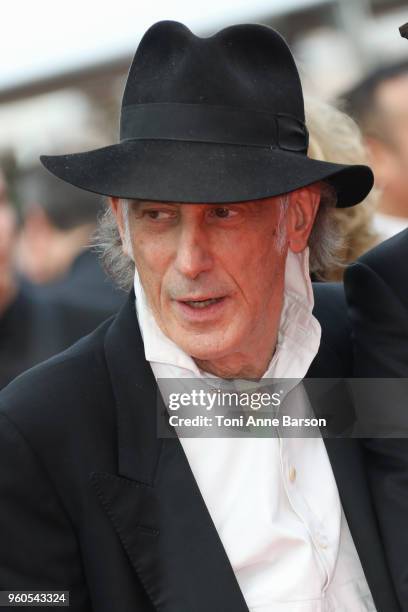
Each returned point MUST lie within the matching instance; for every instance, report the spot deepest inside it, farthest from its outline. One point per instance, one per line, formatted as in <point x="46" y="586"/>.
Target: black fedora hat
<point x="218" y="119"/>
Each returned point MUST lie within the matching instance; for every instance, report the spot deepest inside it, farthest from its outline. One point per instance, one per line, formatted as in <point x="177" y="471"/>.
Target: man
<point x="37" y="322"/>
<point x="215" y="201"/>
<point x="379" y="105"/>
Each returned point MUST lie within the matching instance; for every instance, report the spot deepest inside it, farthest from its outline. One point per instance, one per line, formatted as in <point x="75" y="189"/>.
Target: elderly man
<point x="216" y="202"/>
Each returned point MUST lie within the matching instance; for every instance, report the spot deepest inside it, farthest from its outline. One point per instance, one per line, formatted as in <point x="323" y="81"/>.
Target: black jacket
<point x="377" y="294"/>
<point x="95" y="503"/>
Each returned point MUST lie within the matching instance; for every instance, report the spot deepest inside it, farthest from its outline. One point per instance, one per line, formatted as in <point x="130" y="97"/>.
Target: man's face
<point x="213" y="274"/>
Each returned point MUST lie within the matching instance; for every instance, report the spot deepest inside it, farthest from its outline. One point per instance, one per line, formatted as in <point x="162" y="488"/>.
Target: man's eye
<point x="159" y="215"/>
<point x="223" y="212"/>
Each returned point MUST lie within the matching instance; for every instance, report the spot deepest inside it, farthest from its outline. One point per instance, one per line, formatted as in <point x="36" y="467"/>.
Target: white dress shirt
<point x="273" y="501"/>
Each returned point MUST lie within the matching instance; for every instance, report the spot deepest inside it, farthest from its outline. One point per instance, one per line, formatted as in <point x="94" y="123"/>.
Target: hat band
<point x="213" y="124"/>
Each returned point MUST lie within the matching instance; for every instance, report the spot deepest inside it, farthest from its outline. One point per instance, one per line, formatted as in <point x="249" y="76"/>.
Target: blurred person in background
<point x="376" y="288"/>
<point x="379" y="104"/>
<point x="37" y="321"/>
<point x="8" y="234"/>
<point x="355" y="224"/>
<point x="54" y="245"/>
<point x="57" y="225"/>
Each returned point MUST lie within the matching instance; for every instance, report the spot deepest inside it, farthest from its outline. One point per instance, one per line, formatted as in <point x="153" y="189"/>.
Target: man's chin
<point x="205" y="342"/>
<point x="205" y="348"/>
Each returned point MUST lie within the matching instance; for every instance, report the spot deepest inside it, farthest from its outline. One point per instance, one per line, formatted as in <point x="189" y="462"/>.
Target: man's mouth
<point x="201" y="310"/>
<point x="202" y="303"/>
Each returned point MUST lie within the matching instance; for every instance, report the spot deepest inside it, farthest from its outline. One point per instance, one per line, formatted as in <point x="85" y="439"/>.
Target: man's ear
<point x="303" y="207"/>
<point x="117" y="209"/>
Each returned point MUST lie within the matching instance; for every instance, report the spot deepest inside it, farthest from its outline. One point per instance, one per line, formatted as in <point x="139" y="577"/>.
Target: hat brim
<point x="177" y="171"/>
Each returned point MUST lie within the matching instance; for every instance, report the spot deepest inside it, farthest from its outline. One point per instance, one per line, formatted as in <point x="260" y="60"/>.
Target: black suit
<point x="94" y="502"/>
<point x="377" y="294"/>
<point x="43" y="321"/>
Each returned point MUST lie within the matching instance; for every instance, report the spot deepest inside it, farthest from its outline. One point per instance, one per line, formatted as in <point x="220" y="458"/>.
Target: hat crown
<point x="244" y="66"/>
<point x="218" y="119"/>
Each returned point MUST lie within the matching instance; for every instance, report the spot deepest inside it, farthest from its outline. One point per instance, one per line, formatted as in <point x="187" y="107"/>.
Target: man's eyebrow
<point x="135" y="202"/>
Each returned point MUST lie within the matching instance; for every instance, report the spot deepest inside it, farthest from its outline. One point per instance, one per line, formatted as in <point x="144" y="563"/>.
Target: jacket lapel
<point x="154" y="502"/>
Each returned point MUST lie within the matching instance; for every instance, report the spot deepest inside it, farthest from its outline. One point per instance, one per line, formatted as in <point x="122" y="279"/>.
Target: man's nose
<point x="193" y="250"/>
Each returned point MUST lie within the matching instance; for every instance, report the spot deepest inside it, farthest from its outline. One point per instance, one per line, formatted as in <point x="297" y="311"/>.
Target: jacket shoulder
<point x="387" y="259"/>
<point x="379" y="277"/>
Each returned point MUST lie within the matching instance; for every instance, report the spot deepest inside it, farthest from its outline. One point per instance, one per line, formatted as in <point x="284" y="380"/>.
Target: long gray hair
<point x="324" y="240"/>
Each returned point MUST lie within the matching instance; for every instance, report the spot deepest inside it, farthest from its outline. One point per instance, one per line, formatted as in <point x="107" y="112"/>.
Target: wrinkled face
<point x="213" y="274"/>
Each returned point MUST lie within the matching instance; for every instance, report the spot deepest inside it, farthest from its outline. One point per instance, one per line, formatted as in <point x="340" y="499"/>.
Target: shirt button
<point x="322" y="541"/>
<point x="292" y="474"/>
